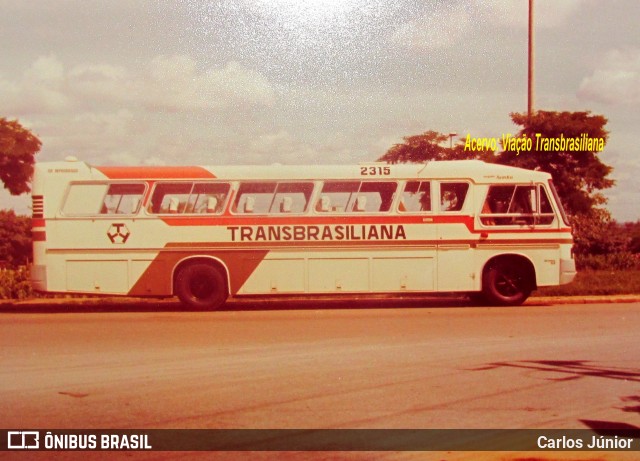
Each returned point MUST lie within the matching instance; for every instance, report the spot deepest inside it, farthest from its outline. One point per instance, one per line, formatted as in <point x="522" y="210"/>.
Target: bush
<point x="597" y="283"/>
<point x="15" y="284"/>
<point x="15" y="239"/>
<point x="611" y="261"/>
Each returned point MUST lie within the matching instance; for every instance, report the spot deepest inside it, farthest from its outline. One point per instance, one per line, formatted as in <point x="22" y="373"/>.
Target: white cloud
<point x="177" y="85"/>
<point x="171" y="83"/>
<point x="616" y="81"/>
<point x="45" y="69"/>
<point x="40" y="90"/>
<point x="165" y="110"/>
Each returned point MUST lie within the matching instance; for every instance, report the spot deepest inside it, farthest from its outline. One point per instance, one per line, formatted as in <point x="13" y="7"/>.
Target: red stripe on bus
<point x="155" y="172"/>
<point x="39" y="236"/>
<point x="369" y="244"/>
<point x="157" y="278"/>
<point x="241" y="220"/>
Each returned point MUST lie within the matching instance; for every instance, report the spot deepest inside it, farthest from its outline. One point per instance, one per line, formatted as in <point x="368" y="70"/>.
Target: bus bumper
<point x="39" y="277"/>
<point x="567" y="270"/>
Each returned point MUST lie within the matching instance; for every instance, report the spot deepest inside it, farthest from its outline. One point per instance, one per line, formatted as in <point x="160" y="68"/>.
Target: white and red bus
<point x="206" y="234"/>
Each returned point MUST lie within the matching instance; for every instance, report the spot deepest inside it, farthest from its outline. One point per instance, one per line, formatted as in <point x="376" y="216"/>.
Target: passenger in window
<point x="449" y="201"/>
<point x="415" y="197"/>
<point x="452" y="196"/>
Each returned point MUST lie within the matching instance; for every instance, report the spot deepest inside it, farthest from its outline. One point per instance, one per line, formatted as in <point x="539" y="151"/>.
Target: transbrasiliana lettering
<point x="317" y="233"/>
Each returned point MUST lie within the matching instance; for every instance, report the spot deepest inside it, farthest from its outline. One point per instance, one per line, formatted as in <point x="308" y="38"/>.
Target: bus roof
<point x="475" y="170"/>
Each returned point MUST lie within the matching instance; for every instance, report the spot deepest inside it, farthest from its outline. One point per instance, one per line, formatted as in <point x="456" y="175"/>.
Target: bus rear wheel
<point x="506" y="283"/>
<point x="201" y="286"/>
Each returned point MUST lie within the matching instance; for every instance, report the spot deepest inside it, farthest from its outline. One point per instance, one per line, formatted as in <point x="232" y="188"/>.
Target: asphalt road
<point x="569" y="366"/>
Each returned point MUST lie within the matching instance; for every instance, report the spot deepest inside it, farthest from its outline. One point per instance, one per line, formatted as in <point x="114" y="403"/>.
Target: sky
<point x="223" y="82"/>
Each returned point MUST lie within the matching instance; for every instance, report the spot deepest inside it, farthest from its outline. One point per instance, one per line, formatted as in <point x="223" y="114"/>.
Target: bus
<point x="208" y="234"/>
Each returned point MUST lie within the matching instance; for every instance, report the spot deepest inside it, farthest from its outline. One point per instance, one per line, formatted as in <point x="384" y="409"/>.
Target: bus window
<point x="374" y="196"/>
<point x="452" y="195"/>
<point x="123" y="199"/>
<point x="255" y="197"/>
<point x="291" y="197"/>
<point x="84" y="199"/>
<point x="207" y="197"/>
<point x="170" y="197"/>
<point x="337" y="195"/>
<point x="189" y="198"/>
<point x="516" y="205"/>
<point x="356" y="197"/>
<point x="416" y="197"/>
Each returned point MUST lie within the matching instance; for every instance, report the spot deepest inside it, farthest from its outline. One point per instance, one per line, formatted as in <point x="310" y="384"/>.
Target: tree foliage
<point x="430" y="145"/>
<point x="632" y="230"/>
<point x="15" y="239"/>
<point x="577" y="175"/>
<point x="18" y="147"/>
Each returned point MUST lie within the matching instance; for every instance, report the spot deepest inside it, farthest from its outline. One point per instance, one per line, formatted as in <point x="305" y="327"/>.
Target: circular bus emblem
<point x="118" y="233"/>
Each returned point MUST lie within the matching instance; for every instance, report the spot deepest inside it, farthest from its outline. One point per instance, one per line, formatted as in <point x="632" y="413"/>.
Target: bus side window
<point x="207" y="197"/>
<point x="170" y="197"/>
<point x="497" y="203"/>
<point x="337" y="196"/>
<point x="416" y="197"/>
<point x="84" y="199"/>
<point x="374" y="197"/>
<point x="356" y="196"/>
<point x="122" y="199"/>
<point x="452" y="195"/>
<point x="516" y="205"/>
<point x="254" y="198"/>
<point x="291" y="197"/>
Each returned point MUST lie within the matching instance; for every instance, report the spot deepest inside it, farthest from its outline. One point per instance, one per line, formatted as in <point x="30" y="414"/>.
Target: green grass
<point x="600" y="282"/>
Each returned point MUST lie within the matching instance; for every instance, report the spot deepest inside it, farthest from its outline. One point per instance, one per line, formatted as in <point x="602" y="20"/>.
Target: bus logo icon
<point x="23" y="440"/>
<point x="118" y="233"/>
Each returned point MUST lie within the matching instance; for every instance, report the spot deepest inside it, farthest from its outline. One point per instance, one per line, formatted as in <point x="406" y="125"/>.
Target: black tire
<point x="201" y="286"/>
<point x="506" y="283"/>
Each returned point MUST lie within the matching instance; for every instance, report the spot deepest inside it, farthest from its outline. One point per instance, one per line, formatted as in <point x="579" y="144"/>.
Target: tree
<point x="15" y="239"/>
<point x="578" y="175"/>
<point x="428" y="146"/>
<point x="18" y="147"/>
<point x="632" y="230"/>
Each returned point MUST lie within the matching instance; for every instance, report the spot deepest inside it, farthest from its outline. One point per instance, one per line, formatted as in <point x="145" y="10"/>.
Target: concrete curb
<point x="168" y="304"/>
<point x="600" y="299"/>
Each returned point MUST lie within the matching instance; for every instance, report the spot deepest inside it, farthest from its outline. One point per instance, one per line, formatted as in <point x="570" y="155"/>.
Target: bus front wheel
<point x="506" y="283"/>
<point x="201" y="286"/>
